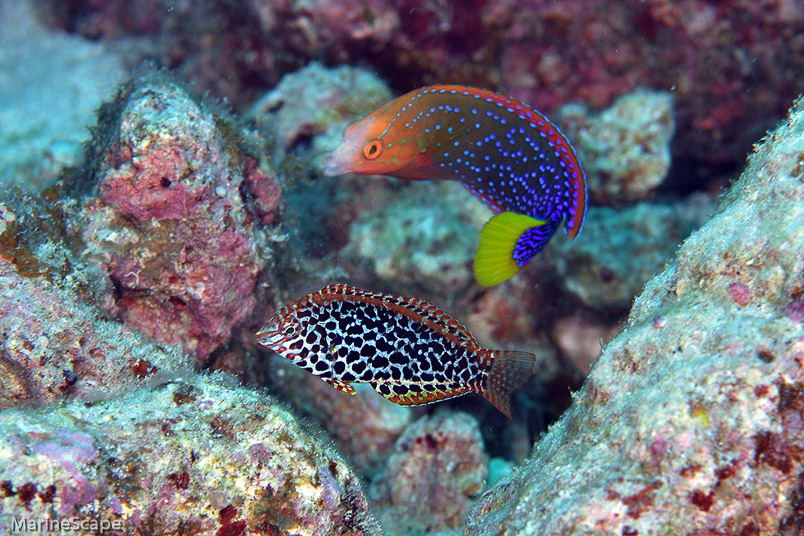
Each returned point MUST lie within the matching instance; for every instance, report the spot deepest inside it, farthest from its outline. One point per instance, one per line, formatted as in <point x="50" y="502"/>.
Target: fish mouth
<point x="335" y="165"/>
<point x="264" y="338"/>
<point x="276" y="342"/>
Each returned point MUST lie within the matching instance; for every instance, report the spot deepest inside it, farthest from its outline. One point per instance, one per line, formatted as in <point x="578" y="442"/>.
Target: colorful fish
<point x="408" y="350"/>
<point x="508" y="155"/>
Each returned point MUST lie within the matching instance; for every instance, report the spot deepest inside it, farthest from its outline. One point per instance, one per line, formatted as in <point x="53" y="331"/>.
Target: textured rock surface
<point x="365" y="427"/>
<point x="733" y="66"/>
<point x="690" y="422"/>
<point x="437" y="469"/>
<point x="625" y="149"/>
<point x="56" y="343"/>
<point x="310" y="101"/>
<point x="199" y="456"/>
<point x="621" y="248"/>
<point x="423" y="237"/>
<point x="175" y="203"/>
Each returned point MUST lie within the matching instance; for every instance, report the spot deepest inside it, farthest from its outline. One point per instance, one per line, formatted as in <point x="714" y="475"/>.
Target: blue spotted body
<point x="507" y="154"/>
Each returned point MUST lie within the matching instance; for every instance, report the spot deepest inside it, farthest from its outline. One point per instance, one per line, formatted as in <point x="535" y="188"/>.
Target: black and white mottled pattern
<point x="408" y="350"/>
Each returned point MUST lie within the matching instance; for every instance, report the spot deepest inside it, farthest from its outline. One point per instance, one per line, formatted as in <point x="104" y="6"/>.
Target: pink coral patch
<point x="148" y="187"/>
<point x="740" y="293"/>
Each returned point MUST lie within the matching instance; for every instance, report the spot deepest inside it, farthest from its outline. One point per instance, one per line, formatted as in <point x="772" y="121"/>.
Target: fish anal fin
<point x="507" y="243"/>
<point x="494" y="207"/>
<point x="417" y="398"/>
<point x="346" y="387"/>
<point x="509" y="371"/>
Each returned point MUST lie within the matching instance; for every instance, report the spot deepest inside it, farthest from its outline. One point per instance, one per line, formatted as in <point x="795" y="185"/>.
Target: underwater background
<point x="163" y="196"/>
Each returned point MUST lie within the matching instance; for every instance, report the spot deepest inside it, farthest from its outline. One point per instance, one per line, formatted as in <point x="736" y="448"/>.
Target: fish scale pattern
<point x="390" y="344"/>
<point x="507" y="154"/>
<point x="409" y="351"/>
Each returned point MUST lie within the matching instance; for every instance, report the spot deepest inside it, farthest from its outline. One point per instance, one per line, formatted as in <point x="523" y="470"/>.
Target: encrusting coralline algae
<point x="690" y="422"/>
<point x="190" y="456"/>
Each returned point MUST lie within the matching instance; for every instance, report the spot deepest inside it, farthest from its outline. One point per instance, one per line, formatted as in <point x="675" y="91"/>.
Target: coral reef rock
<point x="621" y="248"/>
<point x="625" y="149"/>
<point x="310" y="101"/>
<point x="425" y="237"/>
<point x="56" y="342"/>
<point x="732" y="66"/>
<point x="364" y="427"/>
<point x="178" y="207"/>
<point x="437" y="469"/>
<point x="690" y="421"/>
<point x="197" y="457"/>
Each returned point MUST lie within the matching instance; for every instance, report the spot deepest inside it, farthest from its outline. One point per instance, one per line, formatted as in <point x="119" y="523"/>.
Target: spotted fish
<point x="408" y="350"/>
<point x="507" y="154"/>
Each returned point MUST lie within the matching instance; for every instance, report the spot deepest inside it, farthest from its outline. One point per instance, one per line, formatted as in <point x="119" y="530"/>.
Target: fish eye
<point x="289" y="330"/>
<point x="372" y="149"/>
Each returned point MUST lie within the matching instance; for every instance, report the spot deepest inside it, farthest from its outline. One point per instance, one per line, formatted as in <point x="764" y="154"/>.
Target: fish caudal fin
<point x="507" y="243"/>
<point x="510" y="370"/>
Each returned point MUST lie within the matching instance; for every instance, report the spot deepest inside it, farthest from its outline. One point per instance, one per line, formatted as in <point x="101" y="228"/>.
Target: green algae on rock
<point x="690" y="421"/>
<point x="198" y="456"/>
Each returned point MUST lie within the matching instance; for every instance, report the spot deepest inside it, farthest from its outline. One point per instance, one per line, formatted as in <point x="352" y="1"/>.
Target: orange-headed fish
<point x="507" y="154"/>
<point x="409" y="351"/>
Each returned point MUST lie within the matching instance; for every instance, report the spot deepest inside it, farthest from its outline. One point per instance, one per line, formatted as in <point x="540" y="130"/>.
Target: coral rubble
<point x="431" y="479"/>
<point x="625" y="149"/>
<point x="690" y="422"/>
<point x="199" y="457"/>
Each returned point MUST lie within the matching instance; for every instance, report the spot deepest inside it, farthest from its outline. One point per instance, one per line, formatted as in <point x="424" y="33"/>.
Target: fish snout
<point x="279" y="343"/>
<point x="335" y="164"/>
<point x="269" y="338"/>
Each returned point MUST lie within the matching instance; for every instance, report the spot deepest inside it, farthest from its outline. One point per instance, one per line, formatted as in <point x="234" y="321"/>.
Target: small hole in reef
<point x="165" y="182"/>
<point x="766" y="355"/>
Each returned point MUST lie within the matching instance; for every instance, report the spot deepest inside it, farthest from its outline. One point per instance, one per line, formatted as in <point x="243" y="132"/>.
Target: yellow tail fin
<point x="494" y="260"/>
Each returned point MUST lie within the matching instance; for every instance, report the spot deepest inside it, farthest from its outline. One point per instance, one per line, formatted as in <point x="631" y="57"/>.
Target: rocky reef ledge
<point x="190" y="455"/>
<point x="691" y="421"/>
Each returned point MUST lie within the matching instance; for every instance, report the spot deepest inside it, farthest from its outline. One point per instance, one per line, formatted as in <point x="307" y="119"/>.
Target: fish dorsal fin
<point x="409" y="306"/>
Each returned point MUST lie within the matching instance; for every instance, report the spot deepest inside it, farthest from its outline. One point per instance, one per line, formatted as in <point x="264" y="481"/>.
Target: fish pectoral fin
<point x="346" y="387"/>
<point x="507" y="242"/>
<point x="412" y="397"/>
